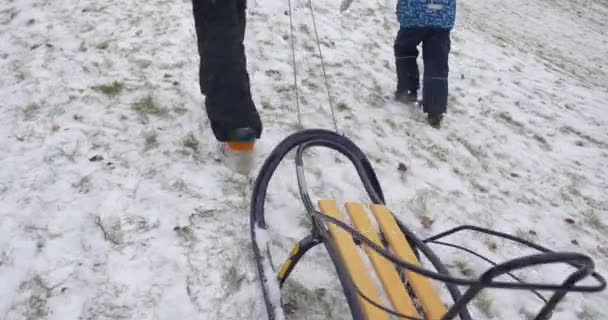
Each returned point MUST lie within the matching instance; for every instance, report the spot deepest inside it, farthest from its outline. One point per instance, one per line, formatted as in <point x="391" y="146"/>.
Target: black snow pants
<point x="435" y="51"/>
<point x="220" y="31"/>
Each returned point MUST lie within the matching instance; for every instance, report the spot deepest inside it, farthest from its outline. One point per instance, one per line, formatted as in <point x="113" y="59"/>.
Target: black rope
<point x="489" y="232"/>
<point x="548" y="257"/>
<point x="488" y="261"/>
<point x="331" y="105"/>
<point x="499" y="234"/>
<point x="385" y="309"/>
<point x="295" y="67"/>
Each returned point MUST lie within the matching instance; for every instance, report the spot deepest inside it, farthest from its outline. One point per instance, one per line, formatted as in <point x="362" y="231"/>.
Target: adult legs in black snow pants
<point x="220" y="31"/>
<point x="435" y="51"/>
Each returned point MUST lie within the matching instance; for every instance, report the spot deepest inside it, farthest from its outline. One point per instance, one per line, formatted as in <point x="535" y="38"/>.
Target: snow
<point x="159" y="229"/>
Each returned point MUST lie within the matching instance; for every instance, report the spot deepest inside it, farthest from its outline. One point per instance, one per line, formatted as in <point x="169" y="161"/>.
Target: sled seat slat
<point x="351" y="258"/>
<point x="422" y="287"/>
<point x="393" y="286"/>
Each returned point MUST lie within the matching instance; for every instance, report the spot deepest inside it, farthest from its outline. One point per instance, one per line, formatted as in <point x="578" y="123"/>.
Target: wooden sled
<point x="353" y="233"/>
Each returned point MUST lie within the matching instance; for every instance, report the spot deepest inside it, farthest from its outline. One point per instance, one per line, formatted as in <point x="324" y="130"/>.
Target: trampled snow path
<point x="156" y="228"/>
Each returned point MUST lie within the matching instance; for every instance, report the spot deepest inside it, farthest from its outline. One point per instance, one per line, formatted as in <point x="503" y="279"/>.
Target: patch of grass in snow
<point x="309" y="47"/>
<point x="20" y="75"/>
<point x="30" y="111"/>
<point x="148" y="106"/>
<point x="190" y="142"/>
<point x="455" y="105"/>
<point x="111" y="89"/>
<point x="478" y="186"/>
<point x="587" y="314"/>
<point x="199" y="212"/>
<point x="103" y="45"/>
<point x="37" y="293"/>
<point x="527" y="314"/>
<point x="463" y="267"/>
<point x="232" y="279"/>
<point x="266" y="105"/>
<point x="285" y="89"/>
<point x="594" y="221"/>
<point x="572" y="188"/>
<point x="370" y="46"/>
<point x="311" y="84"/>
<point x="475" y="151"/>
<point x="7" y="15"/>
<point x="598" y="143"/>
<point x="392" y="124"/>
<point x="300" y="302"/>
<point x="139" y="224"/>
<point x="342" y="106"/>
<point x="543" y="142"/>
<point x="597" y="204"/>
<point x="5" y="259"/>
<point x="304" y="28"/>
<point x="419" y="203"/>
<point x="519" y="127"/>
<point x="375" y="97"/>
<point x="93" y="8"/>
<point x="490" y="243"/>
<point x="525" y="234"/>
<point x="241" y="186"/>
<point x="180" y="110"/>
<point x="506" y="118"/>
<point x="387" y="25"/>
<point x="387" y="65"/>
<point x="185" y="233"/>
<point x="274" y="74"/>
<point x="151" y="139"/>
<point x="112" y="231"/>
<point x="565" y="196"/>
<point x="485" y="304"/>
<point x="83" y="185"/>
<point x="235" y="263"/>
<point x="437" y="152"/>
<point x="304" y="222"/>
<point x="106" y="305"/>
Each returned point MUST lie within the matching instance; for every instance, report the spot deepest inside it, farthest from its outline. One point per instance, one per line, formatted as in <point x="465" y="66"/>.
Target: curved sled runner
<point x="392" y="249"/>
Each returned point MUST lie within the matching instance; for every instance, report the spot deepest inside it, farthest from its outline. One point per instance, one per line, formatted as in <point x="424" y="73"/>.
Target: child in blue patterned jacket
<point x="429" y="22"/>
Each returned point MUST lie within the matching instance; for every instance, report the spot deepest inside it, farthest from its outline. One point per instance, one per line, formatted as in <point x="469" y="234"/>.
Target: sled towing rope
<point x="393" y="251"/>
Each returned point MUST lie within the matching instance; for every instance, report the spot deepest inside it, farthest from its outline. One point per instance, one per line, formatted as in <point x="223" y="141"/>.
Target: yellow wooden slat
<point x="393" y="286"/>
<point x="425" y="292"/>
<point x="351" y="258"/>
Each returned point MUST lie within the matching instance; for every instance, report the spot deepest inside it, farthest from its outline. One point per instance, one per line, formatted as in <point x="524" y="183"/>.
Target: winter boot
<point x="434" y="120"/>
<point x="408" y="96"/>
<point x="237" y="152"/>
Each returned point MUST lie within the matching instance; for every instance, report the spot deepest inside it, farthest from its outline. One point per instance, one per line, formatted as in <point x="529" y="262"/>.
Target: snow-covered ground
<point x="113" y="204"/>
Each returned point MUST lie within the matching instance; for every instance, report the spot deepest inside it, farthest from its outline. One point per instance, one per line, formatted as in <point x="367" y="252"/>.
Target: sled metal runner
<point x="395" y="251"/>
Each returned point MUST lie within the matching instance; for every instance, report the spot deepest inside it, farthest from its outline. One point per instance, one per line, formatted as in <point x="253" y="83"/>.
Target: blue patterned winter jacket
<point x="426" y="13"/>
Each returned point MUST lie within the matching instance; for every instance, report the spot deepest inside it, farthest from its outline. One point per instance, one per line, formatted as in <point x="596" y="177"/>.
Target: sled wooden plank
<point x="393" y="286"/>
<point x="349" y="255"/>
<point x="426" y="294"/>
